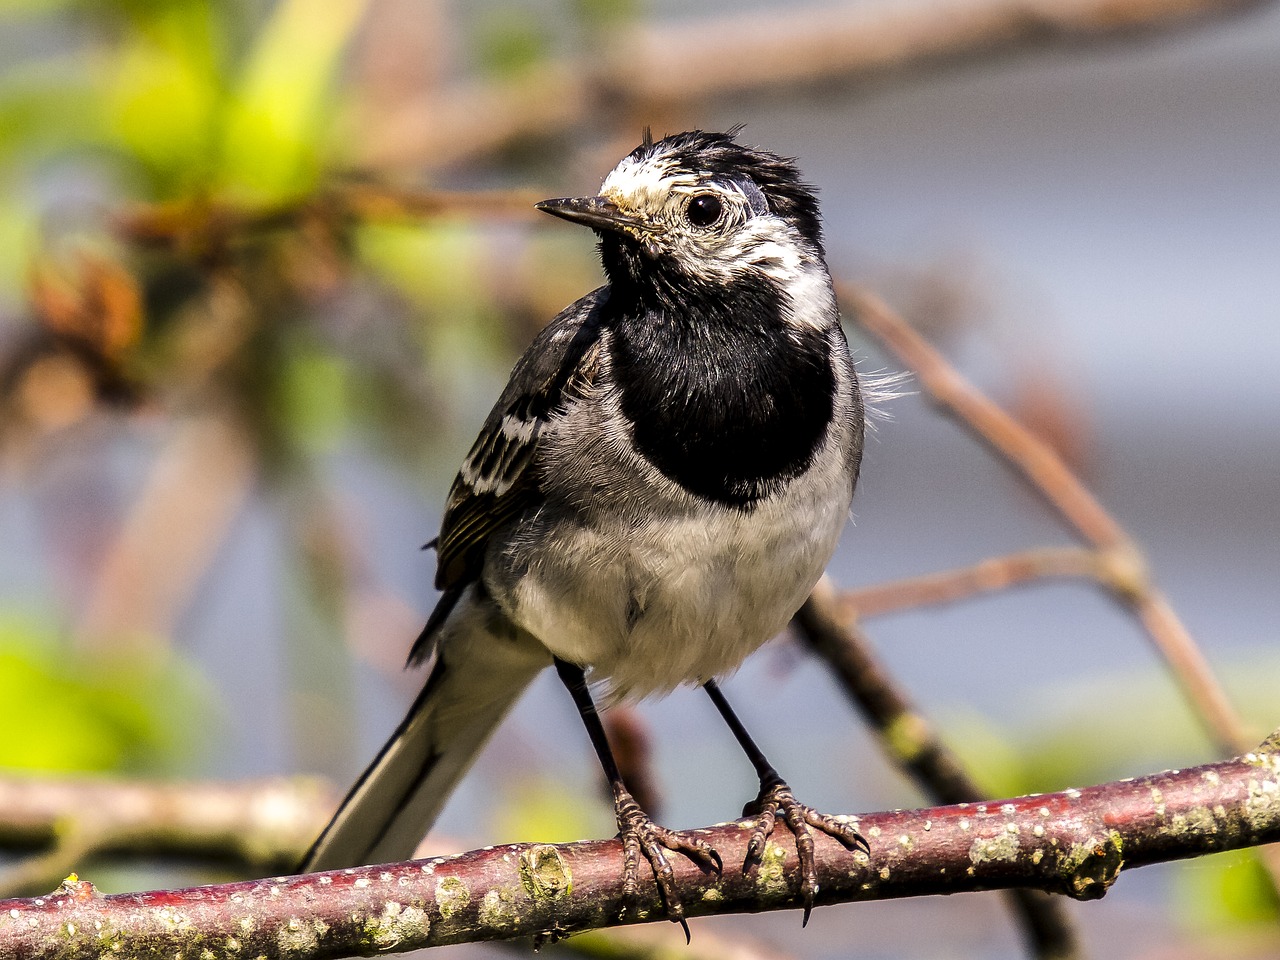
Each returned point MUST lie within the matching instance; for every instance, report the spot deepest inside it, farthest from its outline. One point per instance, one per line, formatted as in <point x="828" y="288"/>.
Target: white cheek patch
<point x="813" y="302"/>
<point x="764" y="244"/>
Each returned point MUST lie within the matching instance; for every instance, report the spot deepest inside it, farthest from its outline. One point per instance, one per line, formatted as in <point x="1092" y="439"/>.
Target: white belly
<point x="680" y="598"/>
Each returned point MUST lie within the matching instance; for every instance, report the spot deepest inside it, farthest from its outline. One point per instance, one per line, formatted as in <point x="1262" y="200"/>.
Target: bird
<point x="653" y="496"/>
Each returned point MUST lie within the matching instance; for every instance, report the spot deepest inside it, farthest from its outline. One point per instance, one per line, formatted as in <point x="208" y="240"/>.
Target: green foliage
<point x="191" y="113"/>
<point x="279" y="115"/>
<point x="64" y="709"/>
<point x="548" y="811"/>
<point x="1225" y="890"/>
<point x="180" y="102"/>
<point x="1107" y="728"/>
<point x="435" y="264"/>
<point x="160" y="97"/>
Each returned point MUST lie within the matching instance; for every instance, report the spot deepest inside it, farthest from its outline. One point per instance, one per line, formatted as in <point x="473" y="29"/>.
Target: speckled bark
<point x="1075" y="842"/>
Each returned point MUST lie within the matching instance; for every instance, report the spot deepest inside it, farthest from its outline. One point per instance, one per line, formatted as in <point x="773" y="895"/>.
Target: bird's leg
<point x="639" y="834"/>
<point x="776" y="797"/>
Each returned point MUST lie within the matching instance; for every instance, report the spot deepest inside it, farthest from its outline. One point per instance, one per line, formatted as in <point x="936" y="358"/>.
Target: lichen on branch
<point x="1075" y="842"/>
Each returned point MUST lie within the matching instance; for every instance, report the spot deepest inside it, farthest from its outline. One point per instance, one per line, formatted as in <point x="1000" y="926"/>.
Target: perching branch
<point x="1075" y="842"/>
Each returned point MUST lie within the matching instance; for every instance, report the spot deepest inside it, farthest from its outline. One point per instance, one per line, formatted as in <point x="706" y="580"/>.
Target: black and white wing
<point x="495" y="484"/>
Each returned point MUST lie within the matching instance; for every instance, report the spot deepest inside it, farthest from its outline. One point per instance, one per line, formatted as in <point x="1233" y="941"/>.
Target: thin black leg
<point x="575" y="680"/>
<point x="764" y="769"/>
<point x="776" y="797"/>
<point x="639" y="834"/>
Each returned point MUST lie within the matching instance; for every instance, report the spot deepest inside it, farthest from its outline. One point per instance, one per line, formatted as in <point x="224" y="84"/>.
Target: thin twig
<point x="196" y="486"/>
<point x="1075" y="842"/>
<point x="986" y="576"/>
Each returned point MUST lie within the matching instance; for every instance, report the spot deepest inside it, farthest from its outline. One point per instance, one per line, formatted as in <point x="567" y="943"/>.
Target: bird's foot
<point x="776" y="798"/>
<point x="641" y="836"/>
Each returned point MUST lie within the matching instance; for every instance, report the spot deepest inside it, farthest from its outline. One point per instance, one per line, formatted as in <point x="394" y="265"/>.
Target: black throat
<point x="724" y="397"/>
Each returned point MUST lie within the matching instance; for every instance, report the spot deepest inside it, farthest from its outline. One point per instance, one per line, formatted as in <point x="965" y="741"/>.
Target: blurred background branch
<point x="259" y="826"/>
<point x="643" y="70"/>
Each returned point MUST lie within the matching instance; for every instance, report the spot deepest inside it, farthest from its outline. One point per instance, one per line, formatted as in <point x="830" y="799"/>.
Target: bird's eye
<point x="704" y="210"/>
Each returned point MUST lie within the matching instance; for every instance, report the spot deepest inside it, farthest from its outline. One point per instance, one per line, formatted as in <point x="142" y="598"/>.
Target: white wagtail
<point x="653" y="496"/>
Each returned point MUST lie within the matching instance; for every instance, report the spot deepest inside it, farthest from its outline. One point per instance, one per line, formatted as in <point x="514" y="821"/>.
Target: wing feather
<point x="496" y="485"/>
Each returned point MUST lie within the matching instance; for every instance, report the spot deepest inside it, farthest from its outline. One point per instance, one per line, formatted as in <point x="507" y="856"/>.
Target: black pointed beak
<point x="594" y="212"/>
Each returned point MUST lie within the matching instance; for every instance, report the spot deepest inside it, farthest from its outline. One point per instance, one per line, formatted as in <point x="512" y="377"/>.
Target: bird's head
<point x="700" y="207"/>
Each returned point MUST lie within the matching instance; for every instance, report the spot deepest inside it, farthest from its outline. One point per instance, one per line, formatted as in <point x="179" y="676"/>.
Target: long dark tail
<point x="477" y="678"/>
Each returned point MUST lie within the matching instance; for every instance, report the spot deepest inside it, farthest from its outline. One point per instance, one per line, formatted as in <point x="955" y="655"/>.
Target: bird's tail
<point x="478" y="675"/>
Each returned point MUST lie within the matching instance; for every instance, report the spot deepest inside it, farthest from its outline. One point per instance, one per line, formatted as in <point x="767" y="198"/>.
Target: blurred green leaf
<point x="994" y="758"/>
<point x="1224" y="890"/>
<point x="46" y="108"/>
<point x="435" y="264"/>
<point x="164" y="90"/>
<point x="18" y="233"/>
<point x="1069" y="740"/>
<point x="276" y="121"/>
<point x="546" y="810"/>
<point x="440" y="267"/>
<point x="27" y="8"/>
<point x="69" y="710"/>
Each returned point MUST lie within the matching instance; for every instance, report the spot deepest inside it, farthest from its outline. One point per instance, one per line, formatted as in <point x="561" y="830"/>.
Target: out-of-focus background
<point x="245" y="340"/>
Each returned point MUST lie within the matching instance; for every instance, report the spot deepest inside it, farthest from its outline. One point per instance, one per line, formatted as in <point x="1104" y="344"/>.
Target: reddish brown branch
<point x="955" y="396"/>
<point x="194" y="489"/>
<point x="1124" y="569"/>
<point x="1075" y="842"/>
<point x="670" y="64"/>
<point x="948" y="586"/>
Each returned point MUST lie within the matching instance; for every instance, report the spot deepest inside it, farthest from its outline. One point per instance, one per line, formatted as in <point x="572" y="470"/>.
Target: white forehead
<point x="650" y="178"/>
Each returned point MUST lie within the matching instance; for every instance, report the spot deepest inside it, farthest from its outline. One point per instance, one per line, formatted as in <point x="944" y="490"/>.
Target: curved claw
<point x="777" y="797"/>
<point x="640" y="835"/>
<point x="839" y="830"/>
<point x="766" y="814"/>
